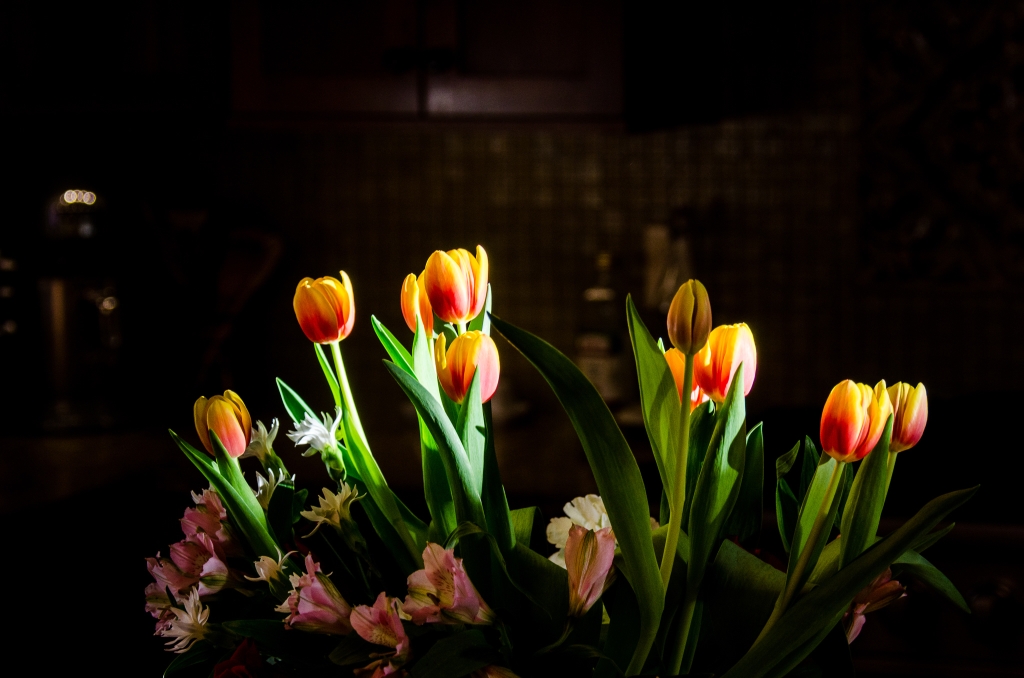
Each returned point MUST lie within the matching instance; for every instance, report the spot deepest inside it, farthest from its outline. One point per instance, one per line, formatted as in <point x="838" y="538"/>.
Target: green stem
<point x="678" y="490"/>
<point x="348" y="404"/>
<point x="462" y="327"/>
<point x="678" y="650"/>
<point x="891" y="463"/>
<point x="795" y="579"/>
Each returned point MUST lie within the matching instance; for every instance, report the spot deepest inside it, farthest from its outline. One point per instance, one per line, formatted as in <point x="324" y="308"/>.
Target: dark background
<point x="851" y="177"/>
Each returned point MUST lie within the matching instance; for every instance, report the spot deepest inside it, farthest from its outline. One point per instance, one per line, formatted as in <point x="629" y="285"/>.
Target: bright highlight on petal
<point x="415" y="300"/>
<point x="715" y="365"/>
<point x="456" y="366"/>
<point x="910" y="415"/>
<point x="853" y="420"/>
<point x="456" y="284"/>
<point x="677" y="364"/>
<point x="325" y="308"/>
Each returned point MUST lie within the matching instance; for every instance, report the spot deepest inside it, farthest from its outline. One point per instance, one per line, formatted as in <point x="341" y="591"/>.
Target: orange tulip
<point x="853" y="419"/>
<point x="689" y="317"/>
<point x="457" y="366"/>
<point x="910" y="414"/>
<point x="325" y="308"/>
<point x="677" y="363"/>
<point x="226" y="416"/>
<point x="414" y="298"/>
<point x="456" y="284"/>
<point x="715" y="365"/>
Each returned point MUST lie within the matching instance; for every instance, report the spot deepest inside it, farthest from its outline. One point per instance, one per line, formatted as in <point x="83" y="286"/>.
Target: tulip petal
<point x="446" y="287"/>
<point x="202" y="428"/>
<point x="316" y="312"/>
<point x="222" y="418"/>
<point x="243" y="413"/>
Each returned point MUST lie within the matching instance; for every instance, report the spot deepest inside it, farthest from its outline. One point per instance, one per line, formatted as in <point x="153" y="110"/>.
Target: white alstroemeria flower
<point x="261" y="444"/>
<point x="265" y="486"/>
<point x="319" y="436"/>
<point x="189" y="624"/>
<point x="588" y="512"/>
<point x="267" y="568"/>
<point x="334" y="509"/>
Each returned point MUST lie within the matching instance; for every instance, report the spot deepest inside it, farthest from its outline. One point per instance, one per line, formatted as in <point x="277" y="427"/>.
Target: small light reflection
<point x="72" y="196"/>
<point x="107" y="304"/>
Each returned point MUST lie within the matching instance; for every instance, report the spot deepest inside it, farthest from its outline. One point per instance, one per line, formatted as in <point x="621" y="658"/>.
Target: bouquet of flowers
<point x="268" y="581"/>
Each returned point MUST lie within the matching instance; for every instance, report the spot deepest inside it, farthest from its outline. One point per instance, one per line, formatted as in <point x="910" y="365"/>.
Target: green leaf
<point x="482" y="323"/>
<point x="867" y="496"/>
<point x="352" y="650"/>
<point x="745" y="519"/>
<point x="250" y="521"/>
<point x="332" y="379"/>
<point x="719" y="483"/>
<point x="457" y="467"/>
<point x="615" y="470"/>
<point x="528" y="526"/>
<point x="920" y="568"/>
<point x="784" y="463"/>
<point x="399" y="355"/>
<point x="786" y="510"/>
<point x="824" y="604"/>
<point x="455" y="656"/>
<point x="281" y="513"/>
<point x="659" y="397"/>
<point x="810" y="512"/>
<point x="202" y="652"/>
<point x="493" y="499"/>
<point x="293" y="402"/>
<point x="808" y="466"/>
<point x="844" y="492"/>
<point x="623" y="629"/>
<point x="702" y="428"/>
<point x="472" y="433"/>
<point x="929" y="540"/>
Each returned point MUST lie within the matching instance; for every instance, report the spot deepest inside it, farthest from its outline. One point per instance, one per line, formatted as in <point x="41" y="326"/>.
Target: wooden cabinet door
<point x="523" y="58"/>
<point x="322" y="57"/>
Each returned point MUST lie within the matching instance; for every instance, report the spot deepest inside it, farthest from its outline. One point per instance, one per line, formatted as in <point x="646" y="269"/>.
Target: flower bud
<point x="853" y="419"/>
<point x="677" y="363"/>
<point x="456" y="284"/>
<point x="226" y="416"/>
<point x="588" y="560"/>
<point x="689" y="317"/>
<point x="910" y="414"/>
<point x="715" y="365"/>
<point x="325" y="308"/>
<point x="456" y="367"/>
<point x="414" y="298"/>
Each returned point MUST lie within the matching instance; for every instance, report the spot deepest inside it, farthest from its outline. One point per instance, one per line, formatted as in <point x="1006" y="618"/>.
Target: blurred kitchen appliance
<point x="80" y="311"/>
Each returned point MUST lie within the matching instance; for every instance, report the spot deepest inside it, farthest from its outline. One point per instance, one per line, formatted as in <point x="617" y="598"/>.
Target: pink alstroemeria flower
<point x="382" y="625"/>
<point x="315" y="605"/>
<point x="442" y="593"/>
<point x="168" y="575"/>
<point x="197" y="558"/>
<point x="159" y="605"/>
<point x="493" y="671"/>
<point x="210" y="516"/>
<point x="875" y="596"/>
<point x="588" y="559"/>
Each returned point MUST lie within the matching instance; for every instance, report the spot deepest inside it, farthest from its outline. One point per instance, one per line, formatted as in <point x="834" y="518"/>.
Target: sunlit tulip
<point x="910" y="414"/>
<point x="588" y="560"/>
<point x="414" y="298"/>
<point x="677" y="363"/>
<point x="456" y="284"/>
<point x="715" y="365"/>
<point x="853" y="419"/>
<point x="689" y="317"/>
<point x="456" y="367"/>
<point x="227" y="417"/>
<point x="325" y="308"/>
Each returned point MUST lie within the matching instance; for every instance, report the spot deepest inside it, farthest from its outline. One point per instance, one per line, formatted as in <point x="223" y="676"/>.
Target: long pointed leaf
<point x="495" y="503"/>
<point x="615" y="470"/>
<point x="867" y="496"/>
<point x="399" y="355"/>
<point x="702" y="428"/>
<point x="746" y="516"/>
<point x="470" y="428"/>
<point x="918" y="566"/>
<point x="482" y="323"/>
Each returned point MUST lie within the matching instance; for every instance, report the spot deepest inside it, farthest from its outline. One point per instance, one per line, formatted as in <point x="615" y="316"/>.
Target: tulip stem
<point x="348" y="404"/>
<point x="462" y="328"/>
<point x="678" y="490"/>
<point x="675" y="659"/>
<point x="891" y="463"/>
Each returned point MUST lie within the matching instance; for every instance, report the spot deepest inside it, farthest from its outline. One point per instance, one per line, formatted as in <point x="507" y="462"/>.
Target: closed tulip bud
<point x="677" y="363"/>
<point x="910" y="414"/>
<point x="456" y="367"/>
<point x="456" y="284"/>
<point x="853" y="420"/>
<point x="414" y="298"/>
<point x="325" y="308"/>
<point x="715" y="365"/>
<point x="689" y="317"/>
<point x="226" y="416"/>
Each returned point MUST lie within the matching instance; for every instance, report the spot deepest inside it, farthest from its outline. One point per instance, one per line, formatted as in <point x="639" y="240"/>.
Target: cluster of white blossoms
<point x="588" y="512"/>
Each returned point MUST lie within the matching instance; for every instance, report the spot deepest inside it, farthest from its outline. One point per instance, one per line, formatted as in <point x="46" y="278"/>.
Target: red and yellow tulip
<point x="456" y="284"/>
<point x="226" y="416"/>
<point x="325" y="308"/>
<point x="910" y="414"/>
<point x="414" y="298"/>
<point x="677" y="363"/>
<point x="457" y="366"/>
<point x="853" y="419"/>
<point x="689" y="317"/>
<point x="715" y="365"/>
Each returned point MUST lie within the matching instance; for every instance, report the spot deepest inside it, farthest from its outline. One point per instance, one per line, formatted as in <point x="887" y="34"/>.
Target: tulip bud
<point x="689" y="317"/>
<point x="456" y="284"/>
<point x="456" y="367"/>
<point x="715" y="365"/>
<point x="910" y="414"/>
<point x="226" y="416"/>
<point x="588" y="559"/>
<point x="677" y="363"/>
<point x="414" y="298"/>
<point x="325" y="308"/>
<point x="853" y="420"/>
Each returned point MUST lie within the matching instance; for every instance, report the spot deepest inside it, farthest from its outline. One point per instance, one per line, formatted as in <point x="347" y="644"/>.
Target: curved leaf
<point x="399" y="355"/>
<point x="867" y="496"/>
<point x="745" y="519"/>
